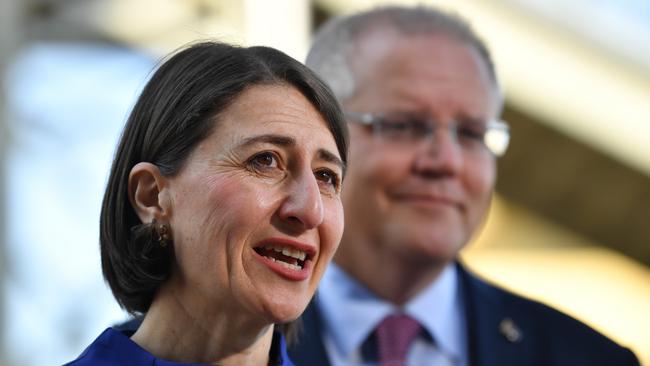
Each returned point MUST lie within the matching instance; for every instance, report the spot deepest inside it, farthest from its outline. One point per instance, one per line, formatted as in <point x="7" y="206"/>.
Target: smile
<point x="290" y="258"/>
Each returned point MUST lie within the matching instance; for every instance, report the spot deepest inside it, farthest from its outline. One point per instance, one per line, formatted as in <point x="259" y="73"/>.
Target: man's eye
<point x="420" y="128"/>
<point x="328" y="177"/>
<point x="471" y="133"/>
<point x="264" y="160"/>
<point x="408" y="127"/>
<point x="395" y="126"/>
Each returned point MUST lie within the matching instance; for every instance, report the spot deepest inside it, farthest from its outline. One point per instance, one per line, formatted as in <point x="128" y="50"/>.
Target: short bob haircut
<point x="178" y="108"/>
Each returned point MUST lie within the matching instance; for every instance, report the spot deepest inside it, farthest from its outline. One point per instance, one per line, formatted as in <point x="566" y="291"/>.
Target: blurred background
<point x="570" y="223"/>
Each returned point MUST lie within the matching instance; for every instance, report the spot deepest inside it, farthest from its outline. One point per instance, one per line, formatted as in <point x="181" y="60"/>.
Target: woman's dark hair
<point x="178" y="108"/>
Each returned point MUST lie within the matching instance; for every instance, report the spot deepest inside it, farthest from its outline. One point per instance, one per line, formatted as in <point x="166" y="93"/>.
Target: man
<point x="422" y="99"/>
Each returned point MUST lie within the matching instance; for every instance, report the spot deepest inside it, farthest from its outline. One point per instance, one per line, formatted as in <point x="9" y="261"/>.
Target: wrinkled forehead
<point x="378" y="52"/>
<point x="389" y="65"/>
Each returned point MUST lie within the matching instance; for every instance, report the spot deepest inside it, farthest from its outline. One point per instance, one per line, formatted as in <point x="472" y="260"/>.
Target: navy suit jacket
<point x="503" y="330"/>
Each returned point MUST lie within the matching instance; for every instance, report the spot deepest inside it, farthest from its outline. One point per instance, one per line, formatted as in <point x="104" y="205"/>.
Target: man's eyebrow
<point x="331" y="158"/>
<point x="279" y="140"/>
<point x="472" y="119"/>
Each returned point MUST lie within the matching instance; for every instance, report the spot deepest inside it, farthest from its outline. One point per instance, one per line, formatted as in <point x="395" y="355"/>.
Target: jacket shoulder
<point x="526" y="324"/>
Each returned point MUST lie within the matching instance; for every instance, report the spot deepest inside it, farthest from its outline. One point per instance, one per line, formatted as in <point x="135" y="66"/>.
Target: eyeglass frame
<point x="492" y="125"/>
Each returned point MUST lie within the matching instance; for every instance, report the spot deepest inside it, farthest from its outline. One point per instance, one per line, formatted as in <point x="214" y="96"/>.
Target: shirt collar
<point x="351" y="311"/>
<point x="439" y="309"/>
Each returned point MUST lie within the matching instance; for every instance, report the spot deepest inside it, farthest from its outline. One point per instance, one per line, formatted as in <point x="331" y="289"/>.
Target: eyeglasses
<point x="471" y="135"/>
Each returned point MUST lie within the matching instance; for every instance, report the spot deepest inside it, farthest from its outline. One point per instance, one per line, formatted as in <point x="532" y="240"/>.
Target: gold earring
<point x="163" y="235"/>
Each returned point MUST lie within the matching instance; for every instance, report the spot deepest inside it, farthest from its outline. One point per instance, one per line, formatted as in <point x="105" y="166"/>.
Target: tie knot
<point x="394" y="337"/>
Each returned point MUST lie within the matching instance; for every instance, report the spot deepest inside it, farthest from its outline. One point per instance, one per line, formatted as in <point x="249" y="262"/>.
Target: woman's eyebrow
<point x="279" y="140"/>
<point x="329" y="157"/>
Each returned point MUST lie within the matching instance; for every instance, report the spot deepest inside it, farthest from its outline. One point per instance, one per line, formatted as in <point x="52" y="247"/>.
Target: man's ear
<point x="147" y="193"/>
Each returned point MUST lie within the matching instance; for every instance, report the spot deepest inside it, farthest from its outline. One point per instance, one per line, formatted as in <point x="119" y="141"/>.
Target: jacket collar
<point x="494" y="332"/>
<point x="493" y="328"/>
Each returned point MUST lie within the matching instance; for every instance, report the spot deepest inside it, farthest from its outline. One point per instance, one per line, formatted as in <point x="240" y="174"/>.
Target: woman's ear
<point x="146" y="193"/>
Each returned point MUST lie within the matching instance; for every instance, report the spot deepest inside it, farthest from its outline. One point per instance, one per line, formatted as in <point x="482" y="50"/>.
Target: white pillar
<point x="281" y="24"/>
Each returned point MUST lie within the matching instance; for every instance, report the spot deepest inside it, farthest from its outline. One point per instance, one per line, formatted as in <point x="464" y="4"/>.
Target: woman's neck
<point x="175" y="330"/>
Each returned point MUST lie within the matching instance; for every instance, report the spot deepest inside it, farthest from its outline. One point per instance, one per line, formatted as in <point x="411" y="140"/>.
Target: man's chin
<point x="436" y="239"/>
<point x="435" y="252"/>
<point x="428" y="246"/>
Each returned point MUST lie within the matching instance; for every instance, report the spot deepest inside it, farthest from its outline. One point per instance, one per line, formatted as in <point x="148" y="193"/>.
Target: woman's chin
<point x="280" y="303"/>
<point x="279" y="312"/>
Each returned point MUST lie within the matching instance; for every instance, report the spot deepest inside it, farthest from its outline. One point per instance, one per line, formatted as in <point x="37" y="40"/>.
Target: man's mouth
<point x="290" y="258"/>
<point x="426" y="198"/>
<point x="429" y="197"/>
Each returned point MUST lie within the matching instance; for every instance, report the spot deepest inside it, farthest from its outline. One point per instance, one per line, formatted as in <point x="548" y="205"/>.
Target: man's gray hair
<point x="332" y="44"/>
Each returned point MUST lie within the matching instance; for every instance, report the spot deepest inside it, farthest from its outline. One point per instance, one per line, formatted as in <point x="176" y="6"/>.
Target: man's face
<point x="419" y="202"/>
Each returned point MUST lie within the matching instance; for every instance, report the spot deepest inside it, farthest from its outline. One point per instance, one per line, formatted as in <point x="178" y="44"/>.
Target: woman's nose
<point x="303" y="205"/>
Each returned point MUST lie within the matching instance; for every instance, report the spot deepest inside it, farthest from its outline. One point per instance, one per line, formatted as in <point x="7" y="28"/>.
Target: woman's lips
<point x="290" y="259"/>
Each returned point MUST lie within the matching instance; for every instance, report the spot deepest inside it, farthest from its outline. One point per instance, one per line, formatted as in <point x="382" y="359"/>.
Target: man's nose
<point x="440" y="153"/>
<point x="303" y="206"/>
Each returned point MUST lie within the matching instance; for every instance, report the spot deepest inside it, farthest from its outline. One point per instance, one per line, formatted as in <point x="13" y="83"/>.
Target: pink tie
<point x="394" y="337"/>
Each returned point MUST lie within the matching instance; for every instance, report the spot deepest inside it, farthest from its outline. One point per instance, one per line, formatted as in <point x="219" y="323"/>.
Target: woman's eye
<point x="263" y="160"/>
<point x="328" y="177"/>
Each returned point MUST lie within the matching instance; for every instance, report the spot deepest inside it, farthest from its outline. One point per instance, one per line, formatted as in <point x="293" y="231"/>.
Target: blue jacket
<point x="114" y="348"/>
<point x="503" y="330"/>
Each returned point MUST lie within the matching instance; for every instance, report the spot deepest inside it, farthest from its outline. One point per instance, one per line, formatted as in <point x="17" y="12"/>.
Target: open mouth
<point x="290" y="258"/>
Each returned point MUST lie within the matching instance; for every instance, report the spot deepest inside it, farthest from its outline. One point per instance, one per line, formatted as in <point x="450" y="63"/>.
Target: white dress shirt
<point x="350" y="313"/>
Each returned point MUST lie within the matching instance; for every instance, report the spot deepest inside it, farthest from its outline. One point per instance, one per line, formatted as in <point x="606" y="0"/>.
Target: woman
<point x="222" y="208"/>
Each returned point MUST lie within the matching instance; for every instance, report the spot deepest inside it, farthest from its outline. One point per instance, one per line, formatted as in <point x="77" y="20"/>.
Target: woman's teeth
<point x="285" y="264"/>
<point x="289" y="252"/>
<point x="287" y="257"/>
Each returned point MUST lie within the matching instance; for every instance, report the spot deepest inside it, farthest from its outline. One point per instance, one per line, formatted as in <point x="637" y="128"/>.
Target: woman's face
<point x="255" y="212"/>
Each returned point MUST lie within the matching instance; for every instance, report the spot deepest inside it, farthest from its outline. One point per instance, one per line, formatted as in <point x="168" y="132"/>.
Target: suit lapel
<point x="495" y="336"/>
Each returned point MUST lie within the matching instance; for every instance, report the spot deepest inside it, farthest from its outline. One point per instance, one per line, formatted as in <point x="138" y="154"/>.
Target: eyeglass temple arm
<point x="363" y="118"/>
